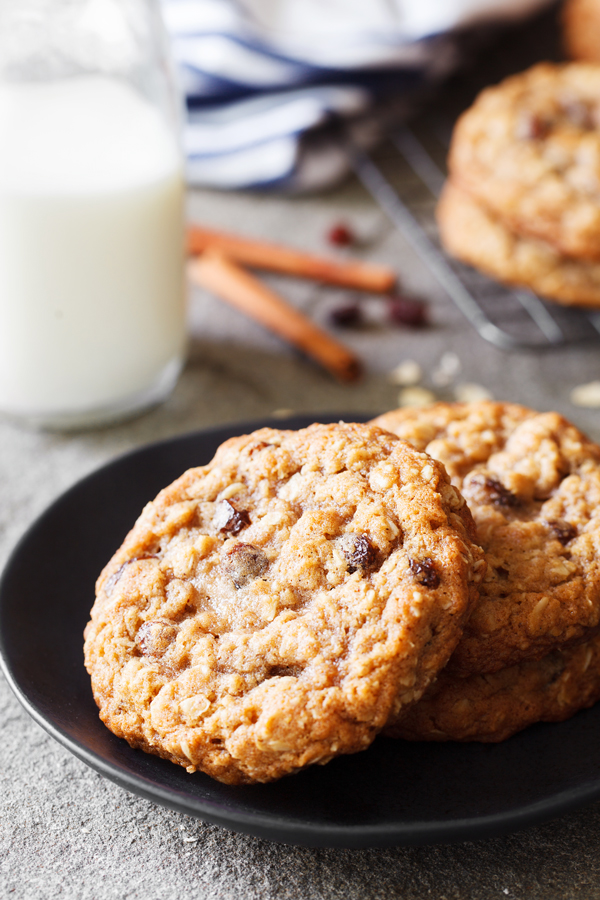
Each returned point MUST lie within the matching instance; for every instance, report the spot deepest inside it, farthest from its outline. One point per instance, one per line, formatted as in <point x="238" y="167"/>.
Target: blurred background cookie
<point x="528" y="149"/>
<point x="477" y="237"/>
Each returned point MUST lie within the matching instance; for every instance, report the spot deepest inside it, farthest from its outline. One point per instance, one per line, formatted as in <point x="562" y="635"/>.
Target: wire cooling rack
<point x="405" y="181"/>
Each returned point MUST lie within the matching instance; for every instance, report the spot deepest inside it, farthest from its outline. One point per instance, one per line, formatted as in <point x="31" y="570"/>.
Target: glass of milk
<point x="92" y="312"/>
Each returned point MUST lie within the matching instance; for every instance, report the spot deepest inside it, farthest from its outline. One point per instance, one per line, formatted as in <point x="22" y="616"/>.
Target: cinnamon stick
<point x="357" y="275"/>
<point x="221" y="276"/>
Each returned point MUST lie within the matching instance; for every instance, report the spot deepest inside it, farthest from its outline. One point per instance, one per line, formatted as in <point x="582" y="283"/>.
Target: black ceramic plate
<point x="394" y="793"/>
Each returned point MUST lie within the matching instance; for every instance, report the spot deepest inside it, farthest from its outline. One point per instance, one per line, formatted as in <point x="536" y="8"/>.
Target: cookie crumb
<point x="470" y="392"/>
<point x="416" y="396"/>
<point x="406" y="373"/>
<point x="447" y="369"/>
<point x="586" y="395"/>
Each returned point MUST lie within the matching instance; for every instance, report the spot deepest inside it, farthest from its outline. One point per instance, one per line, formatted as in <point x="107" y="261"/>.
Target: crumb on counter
<point x="586" y="395"/>
<point x="406" y="373"/>
<point x="416" y="396"/>
<point x="470" y="392"/>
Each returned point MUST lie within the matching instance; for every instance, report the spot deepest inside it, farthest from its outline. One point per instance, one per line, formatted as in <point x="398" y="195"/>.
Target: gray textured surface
<point x="64" y="831"/>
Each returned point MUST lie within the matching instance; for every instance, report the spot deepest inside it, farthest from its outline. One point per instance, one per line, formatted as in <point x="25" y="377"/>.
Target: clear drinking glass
<point x="92" y="313"/>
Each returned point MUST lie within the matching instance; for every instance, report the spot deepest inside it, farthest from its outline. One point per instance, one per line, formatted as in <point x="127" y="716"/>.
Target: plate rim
<point x="271" y="826"/>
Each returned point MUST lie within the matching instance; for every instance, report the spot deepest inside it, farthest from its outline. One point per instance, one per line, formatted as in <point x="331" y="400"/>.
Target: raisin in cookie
<point x="472" y="234"/>
<point x="272" y="609"/>
<point x="493" y="707"/>
<point x="532" y="482"/>
<point x="581" y="29"/>
<point x="529" y="150"/>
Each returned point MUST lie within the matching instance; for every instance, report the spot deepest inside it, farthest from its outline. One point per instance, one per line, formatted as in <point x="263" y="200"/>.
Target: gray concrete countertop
<point x="64" y="831"/>
<point x="67" y="832"/>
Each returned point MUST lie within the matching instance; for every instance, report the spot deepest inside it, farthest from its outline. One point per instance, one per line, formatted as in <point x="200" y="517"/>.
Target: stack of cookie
<point x="309" y="589"/>
<point x="523" y="198"/>
<point x="530" y="651"/>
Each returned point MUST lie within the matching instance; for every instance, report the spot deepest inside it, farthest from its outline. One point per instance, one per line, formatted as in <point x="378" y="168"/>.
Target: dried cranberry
<point x="229" y="519"/>
<point x="358" y="551"/>
<point x="244" y="563"/>
<point x="563" y="531"/>
<point x="424" y="572"/>
<point x="348" y="315"/>
<point x="407" y="311"/>
<point x="341" y="235"/>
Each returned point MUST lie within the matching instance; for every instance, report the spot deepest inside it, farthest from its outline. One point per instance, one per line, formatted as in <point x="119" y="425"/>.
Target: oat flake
<point x="448" y="368"/>
<point x="416" y="396"/>
<point x="408" y="372"/>
<point x="586" y="394"/>
<point x="470" y="392"/>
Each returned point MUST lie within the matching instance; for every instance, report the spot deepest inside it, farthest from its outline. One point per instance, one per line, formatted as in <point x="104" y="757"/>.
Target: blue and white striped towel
<point x="263" y="77"/>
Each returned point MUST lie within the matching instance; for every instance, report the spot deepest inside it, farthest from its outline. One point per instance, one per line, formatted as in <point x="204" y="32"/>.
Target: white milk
<point x="91" y="251"/>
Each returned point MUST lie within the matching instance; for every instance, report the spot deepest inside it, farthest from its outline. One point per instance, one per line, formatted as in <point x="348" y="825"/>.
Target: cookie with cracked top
<point x="476" y="237"/>
<point x="528" y="150"/>
<point x="493" y="707"/>
<point x="273" y="609"/>
<point x="532" y="483"/>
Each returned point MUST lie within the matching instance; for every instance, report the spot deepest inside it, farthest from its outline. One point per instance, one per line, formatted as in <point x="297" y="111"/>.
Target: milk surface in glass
<point x="91" y="251"/>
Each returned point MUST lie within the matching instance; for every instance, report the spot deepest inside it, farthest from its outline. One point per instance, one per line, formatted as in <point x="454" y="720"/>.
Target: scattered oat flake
<point x="282" y="413"/>
<point x="190" y="840"/>
<point x="406" y="373"/>
<point x="586" y="394"/>
<point x="447" y="369"/>
<point x="86" y="830"/>
<point x="470" y="392"/>
<point x="416" y="396"/>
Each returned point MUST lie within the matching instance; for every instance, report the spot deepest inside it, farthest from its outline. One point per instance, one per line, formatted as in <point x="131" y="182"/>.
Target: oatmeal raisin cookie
<point x="495" y="706"/>
<point x="472" y="234"/>
<point x="529" y="151"/>
<point x="274" y="608"/>
<point x="532" y="482"/>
